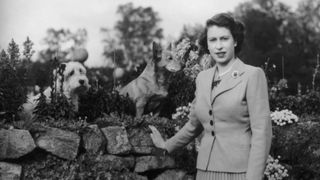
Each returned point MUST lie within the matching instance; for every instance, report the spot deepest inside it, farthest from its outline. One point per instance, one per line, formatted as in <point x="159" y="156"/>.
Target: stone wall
<point x="117" y="153"/>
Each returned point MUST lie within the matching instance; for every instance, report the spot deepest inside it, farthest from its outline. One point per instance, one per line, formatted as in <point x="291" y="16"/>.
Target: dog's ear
<point x="169" y="47"/>
<point x="156" y="52"/>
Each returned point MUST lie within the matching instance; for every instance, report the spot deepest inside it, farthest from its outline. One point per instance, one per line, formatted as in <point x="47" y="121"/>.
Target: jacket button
<point x="210" y="112"/>
<point x="211" y="122"/>
<point x="212" y="133"/>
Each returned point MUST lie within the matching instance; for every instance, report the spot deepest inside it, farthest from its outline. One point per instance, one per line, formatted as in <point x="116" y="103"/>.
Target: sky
<point x="22" y="18"/>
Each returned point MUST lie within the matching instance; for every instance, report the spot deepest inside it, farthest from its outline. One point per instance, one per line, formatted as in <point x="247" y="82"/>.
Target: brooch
<point x="235" y="74"/>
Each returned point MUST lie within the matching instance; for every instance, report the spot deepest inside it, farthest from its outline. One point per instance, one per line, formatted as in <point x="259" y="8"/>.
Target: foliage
<point x="191" y="32"/>
<point x="60" y="42"/>
<point x="47" y="166"/>
<point x="27" y="49"/>
<point x="12" y="77"/>
<point x="178" y="82"/>
<point x="58" y="106"/>
<point x="275" y="32"/>
<point x="298" y="146"/>
<point x="136" y="29"/>
<point x="301" y="105"/>
<point x="99" y="101"/>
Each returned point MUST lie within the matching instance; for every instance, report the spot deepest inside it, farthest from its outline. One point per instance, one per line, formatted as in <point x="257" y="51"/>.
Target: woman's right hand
<point x="156" y="137"/>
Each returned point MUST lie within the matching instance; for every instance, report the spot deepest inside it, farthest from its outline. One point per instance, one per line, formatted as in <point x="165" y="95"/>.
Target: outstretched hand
<point x="156" y="137"/>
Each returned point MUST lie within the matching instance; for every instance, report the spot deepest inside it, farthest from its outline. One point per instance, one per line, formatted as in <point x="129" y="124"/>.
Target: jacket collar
<point x="229" y="82"/>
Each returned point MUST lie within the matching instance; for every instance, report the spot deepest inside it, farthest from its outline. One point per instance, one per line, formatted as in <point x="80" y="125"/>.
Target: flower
<point x="283" y="117"/>
<point x="235" y="74"/>
<point x="274" y="170"/>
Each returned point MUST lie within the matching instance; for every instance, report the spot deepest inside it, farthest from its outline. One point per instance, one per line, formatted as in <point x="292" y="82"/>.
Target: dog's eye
<point x="169" y="57"/>
<point x="71" y="73"/>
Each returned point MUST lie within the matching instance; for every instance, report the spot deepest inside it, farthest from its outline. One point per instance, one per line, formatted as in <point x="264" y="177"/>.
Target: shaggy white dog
<point x="75" y="82"/>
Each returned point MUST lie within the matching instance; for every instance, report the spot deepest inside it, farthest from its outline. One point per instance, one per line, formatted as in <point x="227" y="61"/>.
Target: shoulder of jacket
<point x="205" y="72"/>
<point x="252" y="69"/>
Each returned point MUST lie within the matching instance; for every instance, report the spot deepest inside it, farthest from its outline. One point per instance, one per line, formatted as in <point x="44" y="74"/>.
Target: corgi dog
<point x="152" y="84"/>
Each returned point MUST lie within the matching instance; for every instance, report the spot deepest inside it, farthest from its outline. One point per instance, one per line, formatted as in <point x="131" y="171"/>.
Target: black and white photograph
<point x="159" y="90"/>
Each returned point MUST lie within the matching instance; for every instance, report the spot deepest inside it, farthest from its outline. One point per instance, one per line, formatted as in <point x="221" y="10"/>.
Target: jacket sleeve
<point x="189" y="131"/>
<point x="260" y="123"/>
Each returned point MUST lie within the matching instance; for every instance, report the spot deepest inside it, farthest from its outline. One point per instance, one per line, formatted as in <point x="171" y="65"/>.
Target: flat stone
<point x="93" y="139"/>
<point x="111" y="162"/>
<point x="172" y="175"/>
<point x="117" y="140"/>
<point x="61" y="143"/>
<point x="141" y="141"/>
<point x="9" y="171"/>
<point x="120" y="176"/>
<point x="15" y="143"/>
<point x="146" y="163"/>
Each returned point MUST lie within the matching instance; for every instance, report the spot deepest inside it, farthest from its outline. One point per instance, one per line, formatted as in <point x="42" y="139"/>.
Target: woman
<point x="231" y="107"/>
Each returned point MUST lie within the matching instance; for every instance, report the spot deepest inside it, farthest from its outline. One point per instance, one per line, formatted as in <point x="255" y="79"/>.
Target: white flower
<point x="274" y="170"/>
<point x="283" y="117"/>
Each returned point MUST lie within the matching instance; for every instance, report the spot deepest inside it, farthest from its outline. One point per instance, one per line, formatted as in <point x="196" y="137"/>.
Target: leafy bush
<point x="59" y="106"/>
<point x="13" y="91"/>
<point x="299" y="147"/>
<point x="306" y="104"/>
<point x="181" y="90"/>
<point x="99" y="101"/>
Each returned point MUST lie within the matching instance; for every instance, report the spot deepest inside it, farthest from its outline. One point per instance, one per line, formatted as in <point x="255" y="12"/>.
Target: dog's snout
<point x="81" y="81"/>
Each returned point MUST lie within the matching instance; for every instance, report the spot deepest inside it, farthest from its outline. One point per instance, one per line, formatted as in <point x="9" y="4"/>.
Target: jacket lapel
<point x="229" y="82"/>
<point x="207" y="88"/>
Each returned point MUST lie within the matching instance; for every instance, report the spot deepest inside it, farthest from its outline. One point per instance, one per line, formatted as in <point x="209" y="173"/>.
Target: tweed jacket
<point x="235" y="120"/>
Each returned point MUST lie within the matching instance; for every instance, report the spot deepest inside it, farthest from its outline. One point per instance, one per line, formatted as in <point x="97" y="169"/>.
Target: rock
<point x="15" y="143"/>
<point x="112" y="162"/>
<point x="172" y="175"/>
<point x="141" y="141"/>
<point x="9" y="171"/>
<point x="121" y="176"/>
<point x="93" y="139"/>
<point x="189" y="177"/>
<point x="146" y="163"/>
<point x="117" y="140"/>
<point x="61" y="143"/>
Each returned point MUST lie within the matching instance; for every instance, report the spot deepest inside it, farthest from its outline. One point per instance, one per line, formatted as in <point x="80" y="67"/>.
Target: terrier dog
<point x="75" y="82"/>
<point x="152" y="84"/>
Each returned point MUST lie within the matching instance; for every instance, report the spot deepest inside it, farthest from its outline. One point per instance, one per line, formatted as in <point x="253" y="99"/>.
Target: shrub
<point x="13" y="91"/>
<point x="99" y="101"/>
<point x="59" y="106"/>
<point x="306" y="104"/>
<point x="298" y="145"/>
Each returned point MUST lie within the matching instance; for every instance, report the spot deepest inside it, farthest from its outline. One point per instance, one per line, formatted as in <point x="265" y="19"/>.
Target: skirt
<point x="214" y="175"/>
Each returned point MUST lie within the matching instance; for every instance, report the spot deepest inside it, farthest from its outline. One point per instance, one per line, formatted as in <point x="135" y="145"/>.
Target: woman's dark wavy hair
<point x="224" y="20"/>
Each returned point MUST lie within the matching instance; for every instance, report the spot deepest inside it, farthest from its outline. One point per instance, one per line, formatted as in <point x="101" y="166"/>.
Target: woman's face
<point x="221" y="44"/>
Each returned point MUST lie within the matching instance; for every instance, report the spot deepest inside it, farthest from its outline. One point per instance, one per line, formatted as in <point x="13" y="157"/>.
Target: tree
<point x="27" y="49"/>
<point x="288" y="39"/>
<point x="4" y="57"/>
<point x="13" y="51"/>
<point x="135" y="31"/>
<point x="191" y="32"/>
<point x="12" y="87"/>
<point x="62" y="41"/>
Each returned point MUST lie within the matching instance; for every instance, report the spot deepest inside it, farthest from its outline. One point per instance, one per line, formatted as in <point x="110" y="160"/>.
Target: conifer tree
<point x="27" y="49"/>
<point x="3" y="57"/>
<point x="13" y="51"/>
